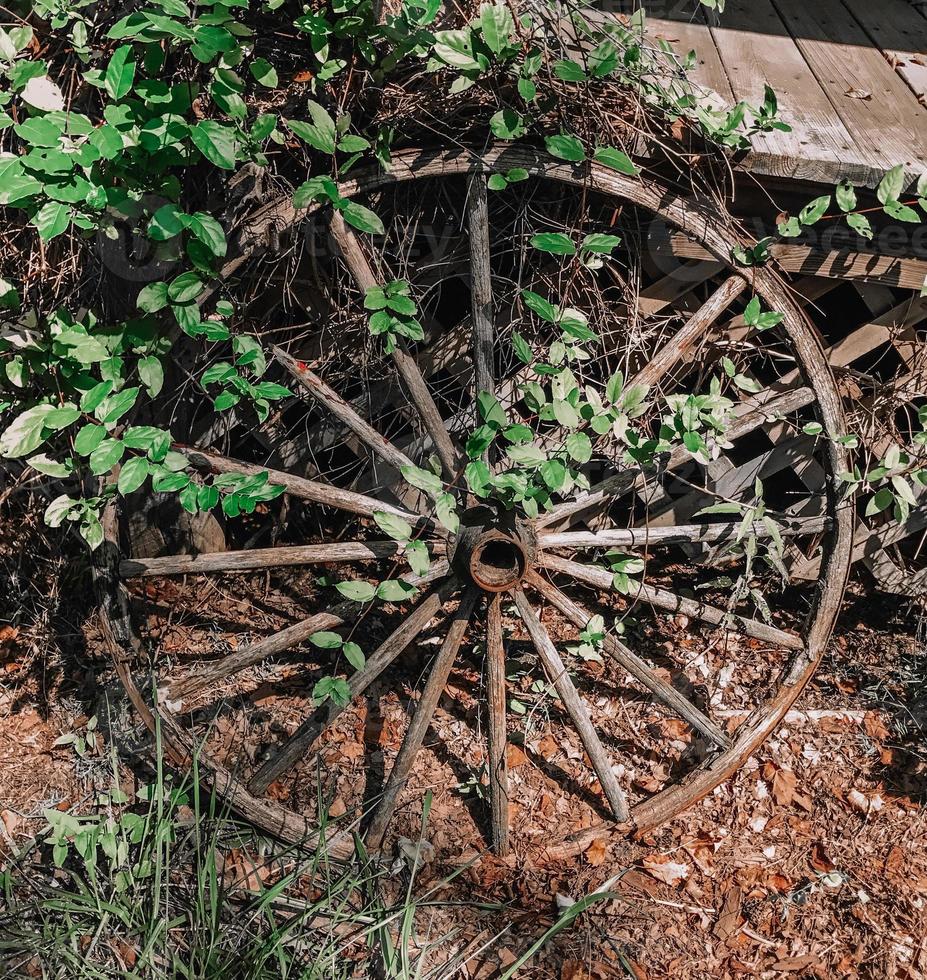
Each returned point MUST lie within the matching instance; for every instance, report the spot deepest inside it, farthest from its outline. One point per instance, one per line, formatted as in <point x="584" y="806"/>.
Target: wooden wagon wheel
<point x="492" y="562"/>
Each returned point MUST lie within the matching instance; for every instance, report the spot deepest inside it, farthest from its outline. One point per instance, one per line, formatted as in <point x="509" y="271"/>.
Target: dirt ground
<point x="811" y="862"/>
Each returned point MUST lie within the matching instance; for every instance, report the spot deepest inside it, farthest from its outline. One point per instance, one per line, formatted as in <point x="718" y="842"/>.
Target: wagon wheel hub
<point x="494" y="552"/>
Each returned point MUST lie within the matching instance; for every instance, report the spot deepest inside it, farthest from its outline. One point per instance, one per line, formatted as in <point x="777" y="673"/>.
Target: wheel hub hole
<point x="498" y="562"/>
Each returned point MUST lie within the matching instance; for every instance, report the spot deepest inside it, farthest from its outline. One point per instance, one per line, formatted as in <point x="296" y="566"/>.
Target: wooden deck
<point x="850" y="75"/>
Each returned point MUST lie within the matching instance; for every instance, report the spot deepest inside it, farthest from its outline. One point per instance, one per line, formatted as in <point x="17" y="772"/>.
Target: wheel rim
<point x="510" y="561"/>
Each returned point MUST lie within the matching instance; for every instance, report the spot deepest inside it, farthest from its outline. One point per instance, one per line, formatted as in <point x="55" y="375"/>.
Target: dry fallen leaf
<point x="595" y="852"/>
<point x="665" y="869"/>
<point x="574" y="970"/>
<point x="858" y="93"/>
<point x="783" y="787"/>
<point x="875" y="726"/>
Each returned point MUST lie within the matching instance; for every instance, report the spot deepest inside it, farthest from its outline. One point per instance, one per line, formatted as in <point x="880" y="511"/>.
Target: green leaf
<point x="153" y="297"/>
<point x="480" y="440"/>
<point x="120" y="73"/>
<point x="50" y="467"/>
<point x="361" y="218"/>
<point x="554" y="242"/>
<point x="507" y="124"/>
<point x="478" y="476"/>
<point x="417" y="556"/>
<point x="602" y="244"/>
<point x="846" y="196"/>
<point x="91" y="530"/>
<point x="565" y="148"/>
<point x="812" y="212"/>
<point x="553" y="473"/>
<point x="860" y="224"/>
<point x="522" y="348"/>
<point x="537" y="304"/>
<point x="395" y="590"/>
<point x="208" y="231"/>
<point x="132" y="475"/>
<point x="881" y="500"/>
<point x="497" y="24"/>
<point x="891" y="185"/>
<point x="446" y="509"/>
<point x="38" y="131"/>
<point x="358" y="591"/>
<point x="902" y="212"/>
<point x="271" y="390"/>
<point x="186" y="287"/>
<point x="24" y="434"/>
<point x="455" y="48"/>
<point x="114" y="407"/>
<point x="491" y="411"/>
<point x="62" y="417"/>
<point x="216" y="142"/>
<point x="326" y="640"/>
<point x="395" y="527"/>
<point x="353" y="144"/>
<point x="320" y="133"/>
<point x="263" y="72"/>
<point x="527" y="89"/>
<point x="52" y="219"/>
<point x="422" y="479"/>
<point x="332" y="687"/>
<point x="497" y="182"/>
<point x="57" y="511"/>
<point x="88" y="438"/>
<point x="565" y="414"/>
<point x="579" y="446"/>
<point x="518" y="433"/>
<point x="615" y="159"/>
<point x="527" y="456"/>
<point x="107" y="140"/>
<point x="106" y="456"/>
<point x="354" y="655"/>
<point x="151" y="372"/>
<point x="166" y="222"/>
<point x="569" y="71"/>
<point x="752" y="312"/>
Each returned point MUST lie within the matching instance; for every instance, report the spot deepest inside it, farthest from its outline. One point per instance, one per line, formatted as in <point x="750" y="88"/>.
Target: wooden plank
<point x="835" y="263"/>
<point x="757" y="50"/>
<point x="899" y="34"/>
<point x="687" y="35"/>
<point x="890" y="127"/>
<point x="672" y="287"/>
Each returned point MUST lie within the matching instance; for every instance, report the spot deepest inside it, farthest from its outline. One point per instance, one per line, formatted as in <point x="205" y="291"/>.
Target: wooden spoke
<point x="270" y="646"/>
<point x="296" y="746"/>
<point x="252" y="558"/>
<point x="415" y="736"/>
<point x="642" y="537"/>
<point x="575" y="705"/>
<point x="673" y="351"/>
<point x="332" y="402"/>
<point x="602" y="578"/>
<point x="498" y="736"/>
<point x="637" y="668"/>
<point x="480" y="284"/>
<point x="297" y="486"/>
<point x="353" y="253"/>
